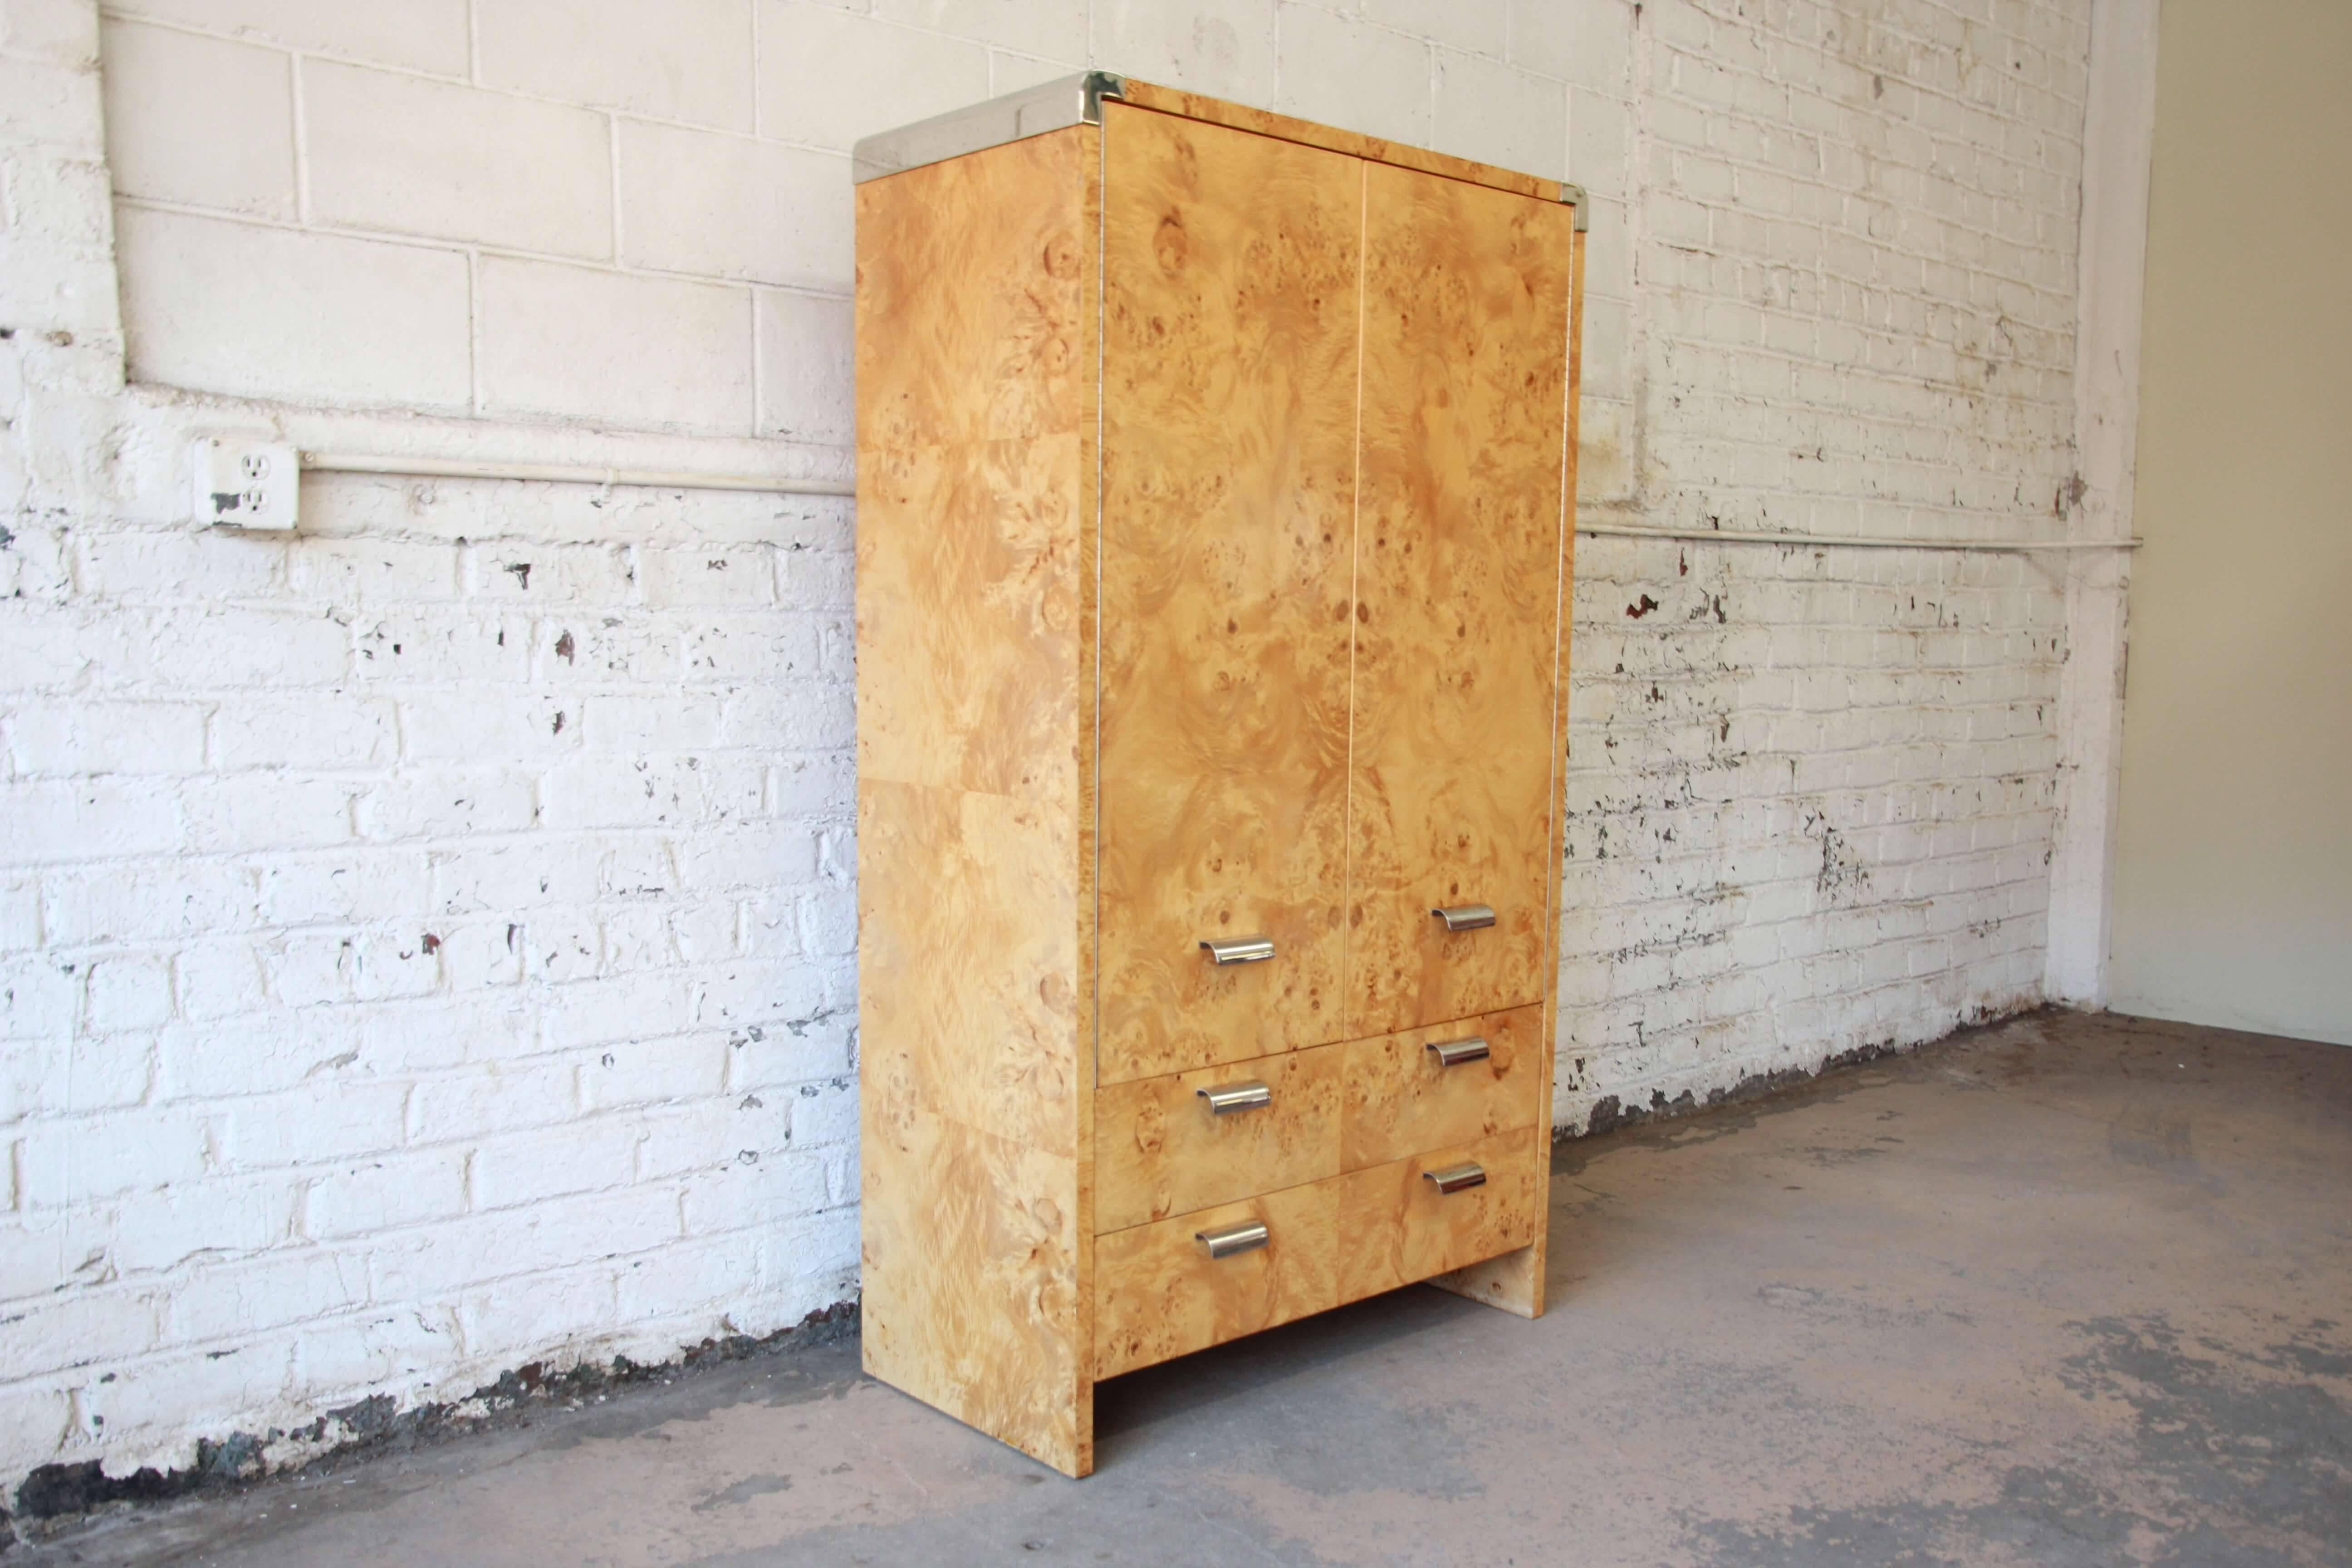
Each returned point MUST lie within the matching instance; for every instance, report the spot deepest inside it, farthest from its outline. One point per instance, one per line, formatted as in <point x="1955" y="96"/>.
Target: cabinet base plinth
<point x="1513" y="1281"/>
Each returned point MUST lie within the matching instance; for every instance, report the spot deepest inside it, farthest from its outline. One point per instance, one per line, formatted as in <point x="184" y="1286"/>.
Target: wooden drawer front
<point x="1160" y="1148"/>
<point x="1401" y="1098"/>
<point x="1159" y="1294"/>
<point x="1396" y="1227"/>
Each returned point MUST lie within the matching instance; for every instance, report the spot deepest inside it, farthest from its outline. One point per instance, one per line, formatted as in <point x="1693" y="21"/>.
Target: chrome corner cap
<point x="1033" y="111"/>
<point x="1099" y="85"/>
<point x="1573" y="195"/>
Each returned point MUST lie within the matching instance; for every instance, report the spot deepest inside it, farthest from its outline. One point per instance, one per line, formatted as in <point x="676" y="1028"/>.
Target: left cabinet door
<point x="1231" y="276"/>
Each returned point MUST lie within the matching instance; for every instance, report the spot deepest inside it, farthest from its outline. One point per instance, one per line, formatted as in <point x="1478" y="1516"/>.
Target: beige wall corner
<point x="2232" y="887"/>
<point x="2119" y="137"/>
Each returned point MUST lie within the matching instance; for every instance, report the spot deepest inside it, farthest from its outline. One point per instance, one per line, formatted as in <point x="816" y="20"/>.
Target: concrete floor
<point x="2065" y="1291"/>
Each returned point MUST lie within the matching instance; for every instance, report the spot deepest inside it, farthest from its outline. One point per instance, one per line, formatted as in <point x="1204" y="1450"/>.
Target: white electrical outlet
<point x="247" y="484"/>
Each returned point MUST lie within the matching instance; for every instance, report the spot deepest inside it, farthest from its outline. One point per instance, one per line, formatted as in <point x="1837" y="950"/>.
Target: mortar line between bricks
<point x="413" y="240"/>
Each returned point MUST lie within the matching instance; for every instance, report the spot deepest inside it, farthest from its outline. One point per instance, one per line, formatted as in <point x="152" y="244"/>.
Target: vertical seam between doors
<point x="1556" y="839"/>
<point x="1355" y="606"/>
<point x="1102" y="398"/>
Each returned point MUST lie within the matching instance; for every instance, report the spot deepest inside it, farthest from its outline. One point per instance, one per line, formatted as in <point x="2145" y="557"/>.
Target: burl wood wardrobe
<point x="1213" y="473"/>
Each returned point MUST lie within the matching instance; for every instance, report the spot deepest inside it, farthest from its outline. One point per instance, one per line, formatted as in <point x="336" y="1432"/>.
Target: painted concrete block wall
<point x="427" y="940"/>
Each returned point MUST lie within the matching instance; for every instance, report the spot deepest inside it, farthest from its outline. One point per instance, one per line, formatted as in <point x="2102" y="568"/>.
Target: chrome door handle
<point x="1246" y="1096"/>
<point x="1466" y="917"/>
<point x="1453" y="1178"/>
<point x="1240" y="949"/>
<point x="1454" y="1053"/>
<point x="1235" y="1238"/>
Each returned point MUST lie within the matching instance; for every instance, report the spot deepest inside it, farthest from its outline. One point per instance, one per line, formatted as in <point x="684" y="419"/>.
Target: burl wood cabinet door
<point x="1231" y="269"/>
<point x="1458" y="573"/>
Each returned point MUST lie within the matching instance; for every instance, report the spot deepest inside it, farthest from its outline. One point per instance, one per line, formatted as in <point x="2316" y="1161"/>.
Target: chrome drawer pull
<point x="1237" y="1095"/>
<point x="1242" y="950"/>
<point x="1453" y="1178"/>
<point x="1466" y="917"/>
<point x="1236" y="1238"/>
<point x="1454" y="1053"/>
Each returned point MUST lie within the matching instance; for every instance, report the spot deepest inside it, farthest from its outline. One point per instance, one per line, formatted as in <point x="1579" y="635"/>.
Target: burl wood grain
<point x="1515" y="1281"/>
<point x="1174" y="100"/>
<point x="1400" y="1099"/>
<point x="1458" y="567"/>
<point x="1239" y="266"/>
<point x="1159" y="1150"/>
<point x="1158" y="1295"/>
<point x="1396" y="1227"/>
<point x="976" y="315"/>
<point x="1229" y="374"/>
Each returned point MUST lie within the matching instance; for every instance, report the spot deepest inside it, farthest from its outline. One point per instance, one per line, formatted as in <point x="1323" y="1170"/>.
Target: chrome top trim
<point x="1049" y="106"/>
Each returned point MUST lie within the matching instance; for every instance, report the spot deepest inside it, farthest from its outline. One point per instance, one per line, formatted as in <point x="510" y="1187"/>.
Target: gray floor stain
<point x="2247" y="1437"/>
<point x="2054" y="1517"/>
<point x="2148" y="1135"/>
<point x="2247" y="1452"/>
<point x="743" y="1491"/>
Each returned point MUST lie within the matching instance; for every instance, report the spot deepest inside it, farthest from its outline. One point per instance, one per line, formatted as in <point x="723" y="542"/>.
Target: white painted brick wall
<point x="1813" y="791"/>
<point x="428" y="942"/>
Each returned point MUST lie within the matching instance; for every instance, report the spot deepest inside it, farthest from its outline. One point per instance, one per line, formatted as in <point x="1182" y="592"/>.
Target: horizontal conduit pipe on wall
<point x="588" y="474"/>
<point x="570" y="473"/>
<point x="1747" y="536"/>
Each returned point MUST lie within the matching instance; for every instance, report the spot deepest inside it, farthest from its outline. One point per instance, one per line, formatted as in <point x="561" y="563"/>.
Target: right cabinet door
<point x="1466" y="297"/>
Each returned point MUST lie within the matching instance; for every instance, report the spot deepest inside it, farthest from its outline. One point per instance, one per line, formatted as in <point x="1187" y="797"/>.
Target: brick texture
<point x="426" y="941"/>
<point x="1812" y="790"/>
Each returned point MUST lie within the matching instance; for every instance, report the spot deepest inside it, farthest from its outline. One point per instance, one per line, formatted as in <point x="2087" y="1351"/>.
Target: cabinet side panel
<point x="1229" y="386"/>
<point x="976" y="306"/>
<point x="1466" y="305"/>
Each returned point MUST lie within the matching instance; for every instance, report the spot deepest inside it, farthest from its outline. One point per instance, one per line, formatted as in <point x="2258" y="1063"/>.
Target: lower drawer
<point x="1397" y="1226"/>
<point x="1158" y="1293"/>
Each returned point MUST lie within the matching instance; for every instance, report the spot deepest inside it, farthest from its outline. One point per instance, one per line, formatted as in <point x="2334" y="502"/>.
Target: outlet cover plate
<point x="247" y="484"/>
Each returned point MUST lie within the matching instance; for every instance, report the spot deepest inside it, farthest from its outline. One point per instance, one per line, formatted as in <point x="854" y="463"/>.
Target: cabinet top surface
<point x="1078" y="100"/>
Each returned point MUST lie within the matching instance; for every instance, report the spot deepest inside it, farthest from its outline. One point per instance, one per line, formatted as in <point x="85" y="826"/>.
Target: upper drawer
<point x="1163" y="1146"/>
<point x="1426" y="1088"/>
